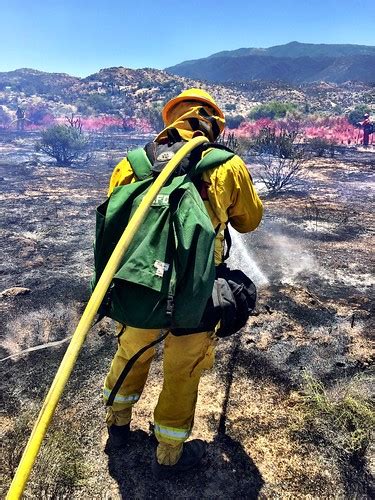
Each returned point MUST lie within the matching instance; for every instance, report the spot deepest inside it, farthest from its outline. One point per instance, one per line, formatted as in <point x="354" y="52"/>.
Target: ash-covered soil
<point x="269" y="436"/>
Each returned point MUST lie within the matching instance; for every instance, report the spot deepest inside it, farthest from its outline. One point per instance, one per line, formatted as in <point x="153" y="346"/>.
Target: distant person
<point x="230" y="198"/>
<point x="367" y="128"/>
<point x="20" y="114"/>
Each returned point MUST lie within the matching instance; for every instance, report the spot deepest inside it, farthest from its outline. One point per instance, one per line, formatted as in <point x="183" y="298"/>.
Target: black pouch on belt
<point x="233" y="299"/>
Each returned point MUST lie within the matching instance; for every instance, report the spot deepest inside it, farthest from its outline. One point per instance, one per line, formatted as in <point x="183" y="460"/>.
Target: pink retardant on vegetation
<point x="102" y="123"/>
<point x="335" y="129"/>
<point x="46" y="121"/>
<point x="97" y="124"/>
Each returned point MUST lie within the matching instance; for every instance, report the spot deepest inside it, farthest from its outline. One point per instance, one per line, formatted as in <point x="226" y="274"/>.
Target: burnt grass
<point x="314" y="317"/>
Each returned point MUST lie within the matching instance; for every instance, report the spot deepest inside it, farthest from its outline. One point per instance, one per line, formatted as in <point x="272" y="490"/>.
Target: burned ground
<point x="287" y="409"/>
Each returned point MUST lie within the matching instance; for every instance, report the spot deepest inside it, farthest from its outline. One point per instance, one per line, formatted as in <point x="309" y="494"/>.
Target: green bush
<point x="347" y="421"/>
<point x="95" y="103"/>
<point x="230" y="107"/>
<point x="234" y="121"/>
<point x="83" y="108"/>
<point x="63" y="143"/>
<point x="37" y="113"/>
<point x="274" y="109"/>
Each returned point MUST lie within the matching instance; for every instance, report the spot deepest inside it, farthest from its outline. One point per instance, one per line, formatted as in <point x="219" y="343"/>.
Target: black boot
<point x="118" y="435"/>
<point x="192" y="454"/>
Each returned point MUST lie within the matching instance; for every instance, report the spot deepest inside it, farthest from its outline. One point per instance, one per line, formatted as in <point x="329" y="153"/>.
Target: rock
<point x="37" y="262"/>
<point x="35" y="162"/>
<point x="14" y="291"/>
<point x="27" y="250"/>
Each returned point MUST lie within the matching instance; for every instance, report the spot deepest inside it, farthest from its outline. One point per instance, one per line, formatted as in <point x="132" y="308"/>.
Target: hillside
<point x="127" y="92"/>
<point x="116" y="90"/>
<point x="32" y="81"/>
<point x="293" y="63"/>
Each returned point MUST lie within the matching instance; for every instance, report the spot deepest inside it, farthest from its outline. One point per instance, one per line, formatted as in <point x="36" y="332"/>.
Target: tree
<point x="66" y="144"/>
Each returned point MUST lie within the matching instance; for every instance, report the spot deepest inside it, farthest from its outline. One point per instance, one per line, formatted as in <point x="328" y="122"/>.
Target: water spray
<point x="241" y="258"/>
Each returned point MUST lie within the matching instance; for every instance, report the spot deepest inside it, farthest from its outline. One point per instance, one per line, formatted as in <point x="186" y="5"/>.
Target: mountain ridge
<point x="294" y="62"/>
<point x="298" y="49"/>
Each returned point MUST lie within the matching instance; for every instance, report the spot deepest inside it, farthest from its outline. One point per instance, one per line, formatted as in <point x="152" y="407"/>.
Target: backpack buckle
<point x="170" y="305"/>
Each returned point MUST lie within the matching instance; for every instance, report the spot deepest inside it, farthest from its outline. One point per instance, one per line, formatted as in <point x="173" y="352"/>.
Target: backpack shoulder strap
<point x="140" y="163"/>
<point x="213" y="158"/>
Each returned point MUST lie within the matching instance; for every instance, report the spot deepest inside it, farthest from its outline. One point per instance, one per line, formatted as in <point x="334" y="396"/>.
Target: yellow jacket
<point x="231" y="197"/>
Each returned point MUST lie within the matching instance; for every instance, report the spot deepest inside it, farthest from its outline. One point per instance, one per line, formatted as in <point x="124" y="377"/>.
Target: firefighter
<point x="230" y="197"/>
<point x="20" y="114"/>
<point x="367" y="128"/>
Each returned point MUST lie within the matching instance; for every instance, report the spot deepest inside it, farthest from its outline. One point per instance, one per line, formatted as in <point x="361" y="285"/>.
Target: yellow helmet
<point x="193" y="94"/>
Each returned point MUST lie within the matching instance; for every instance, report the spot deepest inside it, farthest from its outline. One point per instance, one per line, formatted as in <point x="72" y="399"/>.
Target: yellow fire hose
<point x="63" y="373"/>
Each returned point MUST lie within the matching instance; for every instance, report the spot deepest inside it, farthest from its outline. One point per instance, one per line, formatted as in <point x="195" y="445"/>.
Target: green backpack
<point x="167" y="274"/>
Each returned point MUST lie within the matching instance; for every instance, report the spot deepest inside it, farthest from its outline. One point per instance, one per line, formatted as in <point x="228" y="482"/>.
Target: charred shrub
<point x="280" y="144"/>
<point x="319" y="146"/>
<point x="281" y="159"/>
<point x="230" y="141"/>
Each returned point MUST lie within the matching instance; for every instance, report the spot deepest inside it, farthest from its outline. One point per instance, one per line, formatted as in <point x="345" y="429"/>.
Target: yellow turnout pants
<point x="185" y="358"/>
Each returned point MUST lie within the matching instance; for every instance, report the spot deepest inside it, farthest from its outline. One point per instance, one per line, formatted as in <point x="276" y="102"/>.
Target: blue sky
<point x="80" y="37"/>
